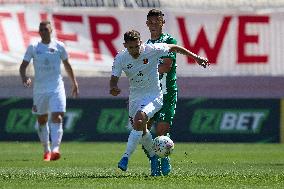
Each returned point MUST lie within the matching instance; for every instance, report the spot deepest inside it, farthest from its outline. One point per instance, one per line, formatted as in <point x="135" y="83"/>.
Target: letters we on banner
<point x="242" y="38"/>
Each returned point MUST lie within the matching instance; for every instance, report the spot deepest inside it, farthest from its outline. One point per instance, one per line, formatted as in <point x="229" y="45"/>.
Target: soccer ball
<point x="163" y="146"/>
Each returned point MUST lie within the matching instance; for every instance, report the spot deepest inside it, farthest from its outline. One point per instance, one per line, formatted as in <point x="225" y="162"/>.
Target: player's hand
<point x="114" y="91"/>
<point x="27" y="82"/>
<point x="75" y="90"/>
<point x="204" y="62"/>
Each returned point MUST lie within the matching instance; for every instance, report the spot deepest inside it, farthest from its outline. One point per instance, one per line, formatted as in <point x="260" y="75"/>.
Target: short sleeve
<point x="63" y="52"/>
<point x="117" y="67"/>
<point x="172" y="55"/>
<point x="162" y="49"/>
<point x="172" y="41"/>
<point x="29" y="53"/>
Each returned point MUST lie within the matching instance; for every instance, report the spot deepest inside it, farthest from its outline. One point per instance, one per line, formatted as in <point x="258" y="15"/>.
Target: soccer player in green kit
<point x="167" y="70"/>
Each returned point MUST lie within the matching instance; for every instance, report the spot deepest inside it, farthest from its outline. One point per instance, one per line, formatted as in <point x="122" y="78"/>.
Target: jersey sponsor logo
<point x="129" y="66"/>
<point x="51" y="50"/>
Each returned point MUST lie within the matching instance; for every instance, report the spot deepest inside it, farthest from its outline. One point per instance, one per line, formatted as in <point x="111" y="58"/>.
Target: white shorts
<point x="49" y="102"/>
<point x="149" y="105"/>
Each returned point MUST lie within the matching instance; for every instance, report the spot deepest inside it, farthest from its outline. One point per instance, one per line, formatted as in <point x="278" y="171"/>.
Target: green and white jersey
<point x="168" y="80"/>
<point x="168" y="83"/>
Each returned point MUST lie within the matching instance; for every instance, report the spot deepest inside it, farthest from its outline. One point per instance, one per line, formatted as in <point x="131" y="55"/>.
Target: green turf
<point x="93" y="165"/>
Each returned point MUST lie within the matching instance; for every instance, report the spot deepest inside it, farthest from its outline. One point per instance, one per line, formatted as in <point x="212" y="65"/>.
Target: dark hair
<point x="45" y="22"/>
<point x="155" y="12"/>
<point x="131" y="35"/>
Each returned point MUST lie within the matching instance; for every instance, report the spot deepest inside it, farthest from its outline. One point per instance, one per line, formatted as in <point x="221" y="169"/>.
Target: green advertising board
<point x="228" y="120"/>
<point x="196" y="120"/>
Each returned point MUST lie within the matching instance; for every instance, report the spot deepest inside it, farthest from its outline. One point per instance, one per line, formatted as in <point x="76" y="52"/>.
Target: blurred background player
<point x="48" y="88"/>
<point x="167" y="69"/>
<point x="139" y="62"/>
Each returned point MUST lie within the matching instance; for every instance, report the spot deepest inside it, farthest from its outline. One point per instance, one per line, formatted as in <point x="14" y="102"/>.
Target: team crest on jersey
<point x="145" y="61"/>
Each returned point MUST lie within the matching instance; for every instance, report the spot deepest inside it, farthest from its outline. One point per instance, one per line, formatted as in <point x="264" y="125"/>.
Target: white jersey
<point x="142" y="72"/>
<point x="47" y="65"/>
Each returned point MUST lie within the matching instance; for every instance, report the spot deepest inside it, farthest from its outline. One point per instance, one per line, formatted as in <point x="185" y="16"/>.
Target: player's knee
<point x="57" y="117"/>
<point x="42" y="119"/>
<point x="138" y="125"/>
<point x="140" y="121"/>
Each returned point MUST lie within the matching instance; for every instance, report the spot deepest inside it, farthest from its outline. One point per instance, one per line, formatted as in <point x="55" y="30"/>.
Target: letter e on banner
<point x="244" y="38"/>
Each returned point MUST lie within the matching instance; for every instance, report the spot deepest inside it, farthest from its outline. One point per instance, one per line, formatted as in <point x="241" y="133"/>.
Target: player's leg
<point x="152" y="107"/>
<point x="137" y="119"/>
<point x="57" y="106"/>
<point x="43" y="133"/>
<point x="149" y="127"/>
<point x="56" y="133"/>
<point x="165" y="122"/>
<point x="132" y="142"/>
<point x="134" y="138"/>
<point x="166" y="115"/>
<point x="147" y="143"/>
<point x="40" y="108"/>
<point x="163" y="129"/>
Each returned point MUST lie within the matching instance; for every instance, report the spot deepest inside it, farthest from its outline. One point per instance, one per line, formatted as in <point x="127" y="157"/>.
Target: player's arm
<point x="27" y="82"/>
<point x="70" y="73"/>
<point x="166" y="65"/>
<point x="114" y="90"/>
<point x="181" y="50"/>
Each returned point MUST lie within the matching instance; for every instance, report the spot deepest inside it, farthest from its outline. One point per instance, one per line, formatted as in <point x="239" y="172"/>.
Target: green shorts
<point x="168" y="110"/>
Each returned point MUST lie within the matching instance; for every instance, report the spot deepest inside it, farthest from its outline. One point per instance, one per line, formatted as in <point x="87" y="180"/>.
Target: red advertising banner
<point x="236" y="43"/>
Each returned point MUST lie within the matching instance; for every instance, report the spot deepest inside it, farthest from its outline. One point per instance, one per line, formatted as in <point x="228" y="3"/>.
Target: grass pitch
<point x="94" y="165"/>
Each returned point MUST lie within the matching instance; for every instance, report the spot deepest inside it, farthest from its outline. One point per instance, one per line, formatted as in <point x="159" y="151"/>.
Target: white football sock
<point x="133" y="140"/>
<point x="43" y="134"/>
<point x="147" y="142"/>
<point x="56" y="133"/>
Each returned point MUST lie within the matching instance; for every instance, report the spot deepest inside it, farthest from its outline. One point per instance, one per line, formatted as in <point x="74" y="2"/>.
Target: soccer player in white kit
<point x="140" y="64"/>
<point x="48" y="88"/>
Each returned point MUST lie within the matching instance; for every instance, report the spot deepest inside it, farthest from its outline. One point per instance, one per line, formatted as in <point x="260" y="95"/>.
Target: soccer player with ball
<point x="139" y="62"/>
